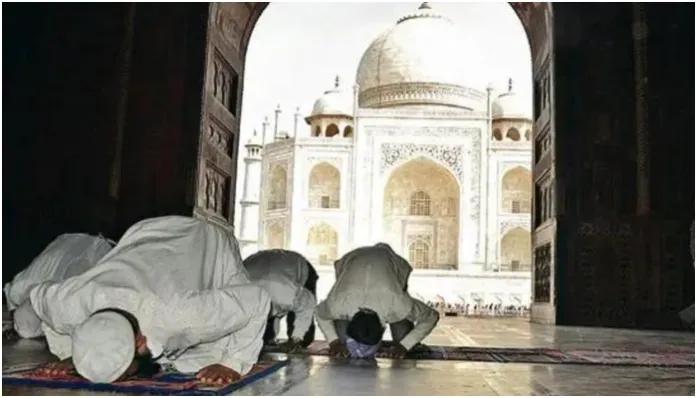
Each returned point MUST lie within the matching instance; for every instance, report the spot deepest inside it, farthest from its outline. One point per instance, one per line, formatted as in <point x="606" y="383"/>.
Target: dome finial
<point x="337" y="82"/>
<point x="425" y="6"/>
<point x="510" y="85"/>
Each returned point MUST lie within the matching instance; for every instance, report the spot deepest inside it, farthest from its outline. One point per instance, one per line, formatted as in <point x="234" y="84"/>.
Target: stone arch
<point x="516" y="190"/>
<point x="322" y="243"/>
<point x="348" y="131"/>
<point x="497" y="135"/>
<point x="277" y="188"/>
<point x="324" y="187"/>
<point x="516" y="250"/>
<point x="429" y="182"/>
<point x="317" y="131"/>
<point x="528" y="134"/>
<point x="275" y="235"/>
<point x="332" y="130"/>
<point x="513" y="134"/>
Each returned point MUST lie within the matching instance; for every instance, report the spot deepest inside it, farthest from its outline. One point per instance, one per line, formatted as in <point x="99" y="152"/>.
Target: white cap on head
<point x="27" y="324"/>
<point x="103" y="347"/>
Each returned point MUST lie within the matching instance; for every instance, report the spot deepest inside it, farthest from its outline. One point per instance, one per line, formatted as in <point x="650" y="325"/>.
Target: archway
<point x="322" y="244"/>
<point x="324" y="187"/>
<point x="517" y="191"/>
<point x="277" y="188"/>
<point x="421" y="214"/>
<point x="516" y="251"/>
<point x="332" y="130"/>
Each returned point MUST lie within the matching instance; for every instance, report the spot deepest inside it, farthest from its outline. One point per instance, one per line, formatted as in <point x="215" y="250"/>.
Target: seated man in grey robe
<point x="66" y="256"/>
<point x="371" y="291"/>
<point x="173" y="291"/>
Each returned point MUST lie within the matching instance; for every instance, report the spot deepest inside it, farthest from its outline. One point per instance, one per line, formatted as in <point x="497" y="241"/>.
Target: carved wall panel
<point x="215" y="191"/>
<point x="220" y="136"/>
<point x="542" y="274"/>
<point x="231" y="19"/>
<point x="225" y="83"/>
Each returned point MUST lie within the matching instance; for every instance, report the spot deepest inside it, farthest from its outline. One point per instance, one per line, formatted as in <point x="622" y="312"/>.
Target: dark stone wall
<point x="617" y="267"/>
<point x="93" y="90"/>
<point x="60" y="95"/>
<point x="164" y="109"/>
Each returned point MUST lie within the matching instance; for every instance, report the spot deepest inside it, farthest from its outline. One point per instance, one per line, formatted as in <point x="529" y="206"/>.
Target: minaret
<point x="297" y="119"/>
<point x="249" y="225"/>
<point x="275" y="127"/>
<point x="264" y="131"/>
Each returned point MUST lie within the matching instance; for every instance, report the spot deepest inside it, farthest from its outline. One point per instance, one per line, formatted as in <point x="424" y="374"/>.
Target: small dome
<point x="509" y="105"/>
<point x="334" y="102"/>
<point x="420" y="60"/>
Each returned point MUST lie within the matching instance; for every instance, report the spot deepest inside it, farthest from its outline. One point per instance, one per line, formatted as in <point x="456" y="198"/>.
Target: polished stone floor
<point x="324" y="376"/>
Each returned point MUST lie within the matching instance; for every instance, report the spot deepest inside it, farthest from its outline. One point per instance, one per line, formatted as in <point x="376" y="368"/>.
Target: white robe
<point x="375" y="277"/>
<point x="283" y="274"/>
<point x="68" y="255"/>
<point x="183" y="280"/>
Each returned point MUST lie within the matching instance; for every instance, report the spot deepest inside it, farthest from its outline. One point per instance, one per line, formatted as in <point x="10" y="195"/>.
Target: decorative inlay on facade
<point x="422" y="93"/>
<point x="459" y="158"/>
<point x="506" y="226"/>
<point x="450" y="155"/>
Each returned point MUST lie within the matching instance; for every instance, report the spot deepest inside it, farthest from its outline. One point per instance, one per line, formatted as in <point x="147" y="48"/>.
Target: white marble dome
<point x="334" y="102"/>
<point x="420" y="60"/>
<point x="509" y="105"/>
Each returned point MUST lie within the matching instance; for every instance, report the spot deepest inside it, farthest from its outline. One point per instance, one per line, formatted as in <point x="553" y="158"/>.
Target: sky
<point x="297" y="49"/>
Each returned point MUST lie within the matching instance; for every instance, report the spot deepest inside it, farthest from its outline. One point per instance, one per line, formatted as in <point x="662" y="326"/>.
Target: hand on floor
<point x="60" y="368"/>
<point x="338" y="350"/>
<point x="395" y="351"/>
<point x="217" y="375"/>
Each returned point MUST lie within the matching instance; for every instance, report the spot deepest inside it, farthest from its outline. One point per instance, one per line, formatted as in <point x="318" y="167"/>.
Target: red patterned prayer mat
<point x="530" y="355"/>
<point x="166" y="383"/>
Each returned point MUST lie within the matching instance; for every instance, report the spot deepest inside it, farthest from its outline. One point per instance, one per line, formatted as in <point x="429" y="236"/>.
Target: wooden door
<point x="229" y="27"/>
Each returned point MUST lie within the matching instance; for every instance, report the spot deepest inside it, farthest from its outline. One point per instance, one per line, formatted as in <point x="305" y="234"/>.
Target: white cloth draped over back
<point x="283" y="274"/>
<point x="375" y="277"/>
<point x="66" y="256"/>
<point x="183" y="280"/>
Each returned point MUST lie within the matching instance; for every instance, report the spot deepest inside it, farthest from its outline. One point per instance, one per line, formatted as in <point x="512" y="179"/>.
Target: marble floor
<point x="324" y="376"/>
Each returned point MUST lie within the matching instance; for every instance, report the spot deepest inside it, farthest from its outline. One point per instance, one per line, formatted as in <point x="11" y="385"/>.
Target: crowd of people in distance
<point x="477" y="310"/>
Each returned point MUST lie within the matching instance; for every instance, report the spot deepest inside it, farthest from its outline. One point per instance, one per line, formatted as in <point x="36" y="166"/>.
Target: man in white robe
<point x="191" y="302"/>
<point x="66" y="256"/>
<point x="291" y="281"/>
<point x="371" y="291"/>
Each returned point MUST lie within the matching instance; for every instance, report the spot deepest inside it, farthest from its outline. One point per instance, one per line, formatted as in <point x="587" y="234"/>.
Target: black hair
<point x="147" y="366"/>
<point x="365" y="327"/>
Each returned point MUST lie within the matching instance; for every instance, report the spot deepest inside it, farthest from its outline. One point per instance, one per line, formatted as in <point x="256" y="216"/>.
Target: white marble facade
<point x="414" y="156"/>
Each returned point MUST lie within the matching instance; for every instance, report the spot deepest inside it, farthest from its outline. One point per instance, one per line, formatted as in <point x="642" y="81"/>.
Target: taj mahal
<point x="414" y="155"/>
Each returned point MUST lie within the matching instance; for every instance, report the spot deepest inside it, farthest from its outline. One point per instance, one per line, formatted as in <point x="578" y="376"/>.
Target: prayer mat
<point x="166" y="383"/>
<point x="675" y="359"/>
